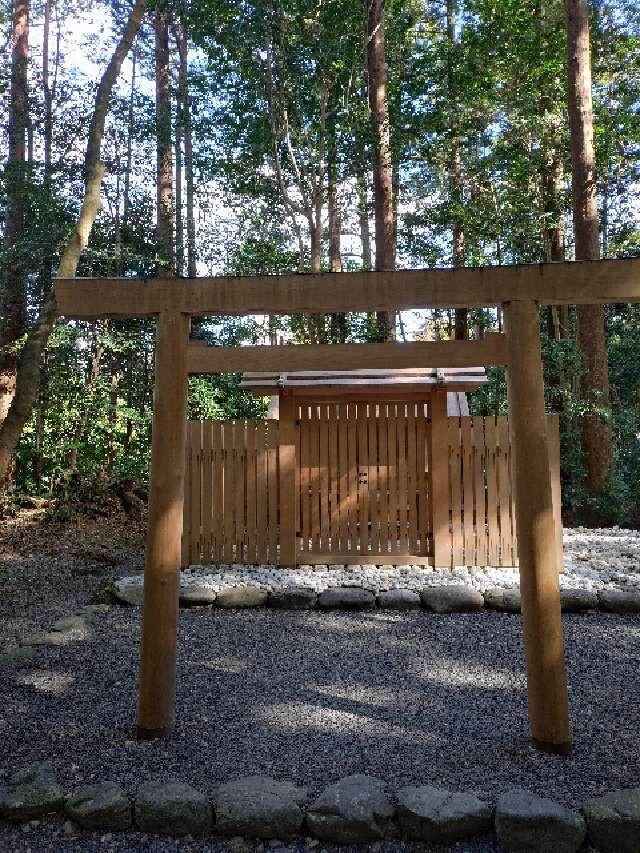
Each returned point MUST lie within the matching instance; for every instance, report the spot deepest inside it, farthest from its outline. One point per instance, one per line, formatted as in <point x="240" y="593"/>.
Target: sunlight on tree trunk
<point x="28" y="372"/>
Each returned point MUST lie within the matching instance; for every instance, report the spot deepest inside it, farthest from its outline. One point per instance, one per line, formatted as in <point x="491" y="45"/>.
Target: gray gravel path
<point x="310" y="697"/>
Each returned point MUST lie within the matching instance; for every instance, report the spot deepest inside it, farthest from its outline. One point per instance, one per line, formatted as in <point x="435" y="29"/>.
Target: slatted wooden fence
<point x="362" y="484"/>
<point x="364" y="493"/>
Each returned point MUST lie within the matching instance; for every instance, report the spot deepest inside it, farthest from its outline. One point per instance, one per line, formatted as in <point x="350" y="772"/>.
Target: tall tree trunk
<point x="554" y="231"/>
<point x="164" y="165"/>
<point x="179" y="218"/>
<point x="28" y="371"/>
<point x="363" y="220"/>
<point x="590" y="318"/>
<point x="333" y="207"/>
<point x="126" y="205"/>
<point x="385" y="226"/>
<point x="12" y="299"/>
<point x="181" y="35"/>
<point x="338" y="320"/>
<point x="461" y="328"/>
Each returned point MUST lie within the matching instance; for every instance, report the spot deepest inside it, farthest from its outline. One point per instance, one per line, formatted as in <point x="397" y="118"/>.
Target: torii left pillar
<point x="157" y="689"/>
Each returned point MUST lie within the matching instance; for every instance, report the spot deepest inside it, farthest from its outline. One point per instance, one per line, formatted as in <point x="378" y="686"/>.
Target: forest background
<point x="270" y="136"/>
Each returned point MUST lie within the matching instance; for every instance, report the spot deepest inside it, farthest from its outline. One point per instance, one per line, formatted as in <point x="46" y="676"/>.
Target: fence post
<point x="157" y="690"/>
<point x="288" y="493"/>
<point x="439" y="480"/>
<point x="539" y="585"/>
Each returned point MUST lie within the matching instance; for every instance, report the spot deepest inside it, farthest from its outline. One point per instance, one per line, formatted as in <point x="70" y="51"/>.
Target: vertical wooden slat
<point x="504" y="493"/>
<point x="467" y="492"/>
<point x="315" y="478"/>
<point x="343" y="486"/>
<point x="195" y="428"/>
<point x="333" y="470"/>
<point x="363" y="480"/>
<point x="402" y="482"/>
<point x="492" y="490"/>
<point x="455" y="478"/>
<point x="261" y="492"/>
<point x="439" y="480"/>
<point x="272" y="489"/>
<point x="186" y="513"/>
<point x="286" y="487"/>
<point x="412" y="481"/>
<point x="479" y="490"/>
<point x="421" y="473"/>
<point x="250" y="468"/>
<point x="352" y="463"/>
<point x="305" y="521"/>
<point x="392" y="477"/>
<point x="217" y="510"/>
<point x="372" y="468"/>
<point x="206" y="473"/>
<point x="383" y="479"/>
<point x="324" y="478"/>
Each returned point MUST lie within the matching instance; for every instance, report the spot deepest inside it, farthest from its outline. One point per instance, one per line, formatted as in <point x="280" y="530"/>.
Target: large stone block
<point x="171" y="808"/>
<point x="102" y="806"/>
<point x="441" y="817"/>
<point x="347" y="598"/>
<point x="526" y="823"/>
<point x="31" y="793"/>
<point x="259" y="807"/>
<point x="241" y="596"/>
<point x="613" y="821"/>
<point x="355" y="810"/>
<point x="620" y="600"/>
<point x="293" y="598"/>
<point x="399" y="599"/>
<point x="456" y="598"/>
<point x="506" y="600"/>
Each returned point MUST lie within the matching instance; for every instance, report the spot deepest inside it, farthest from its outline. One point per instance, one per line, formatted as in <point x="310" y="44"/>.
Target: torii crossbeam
<point x="518" y="289"/>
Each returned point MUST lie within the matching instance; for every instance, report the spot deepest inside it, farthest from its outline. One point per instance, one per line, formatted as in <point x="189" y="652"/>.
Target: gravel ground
<point x="307" y="696"/>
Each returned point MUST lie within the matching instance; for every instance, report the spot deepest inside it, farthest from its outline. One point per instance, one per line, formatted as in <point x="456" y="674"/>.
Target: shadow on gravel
<point x="313" y="696"/>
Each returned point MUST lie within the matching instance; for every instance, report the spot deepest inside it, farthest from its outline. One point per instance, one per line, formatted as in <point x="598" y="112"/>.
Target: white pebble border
<point x="594" y="559"/>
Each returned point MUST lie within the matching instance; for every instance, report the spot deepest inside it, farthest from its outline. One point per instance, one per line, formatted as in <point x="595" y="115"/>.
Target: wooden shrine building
<point x="518" y="290"/>
<point x="389" y="469"/>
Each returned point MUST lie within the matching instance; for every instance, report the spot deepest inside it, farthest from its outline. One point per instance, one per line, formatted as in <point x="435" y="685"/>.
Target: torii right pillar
<point x="537" y="552"/>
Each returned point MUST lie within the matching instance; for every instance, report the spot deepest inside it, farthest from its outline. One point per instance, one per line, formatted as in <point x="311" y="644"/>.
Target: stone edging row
<point x="355" y="810"/>
<point x="450" y="598"/>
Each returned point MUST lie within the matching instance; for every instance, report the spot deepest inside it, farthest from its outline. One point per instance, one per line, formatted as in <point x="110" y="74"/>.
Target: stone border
<point x="354" y="810"/>
<point x="444" y="598"/>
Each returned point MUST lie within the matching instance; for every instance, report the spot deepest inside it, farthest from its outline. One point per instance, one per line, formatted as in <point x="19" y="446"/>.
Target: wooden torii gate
<point x="518" y="289"/>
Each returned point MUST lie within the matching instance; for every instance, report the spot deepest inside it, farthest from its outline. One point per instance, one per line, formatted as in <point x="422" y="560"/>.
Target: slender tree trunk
<point x="461" y="327"/>
<point x="164" y="166"/>
<point x="333" y="206"/>
<point x="28" y="372"/>
<point x="363" y="219"/>
<point x="554" y="232"/>
<point x="590" y="318"/>
<point x="338" y="320"/>
<point x="12" y="298"/>
<point x="385" y="226"/>
<point x="179" y="220"/>
<point x="126" y="208"/>
<point x="185" y="106"/>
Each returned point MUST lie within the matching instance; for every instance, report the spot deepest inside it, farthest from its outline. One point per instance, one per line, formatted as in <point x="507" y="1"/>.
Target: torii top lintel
<point x="577" y="282"/>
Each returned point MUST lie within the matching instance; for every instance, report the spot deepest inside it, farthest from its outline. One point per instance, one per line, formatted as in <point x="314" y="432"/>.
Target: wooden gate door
<point x="363" y="474"/>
